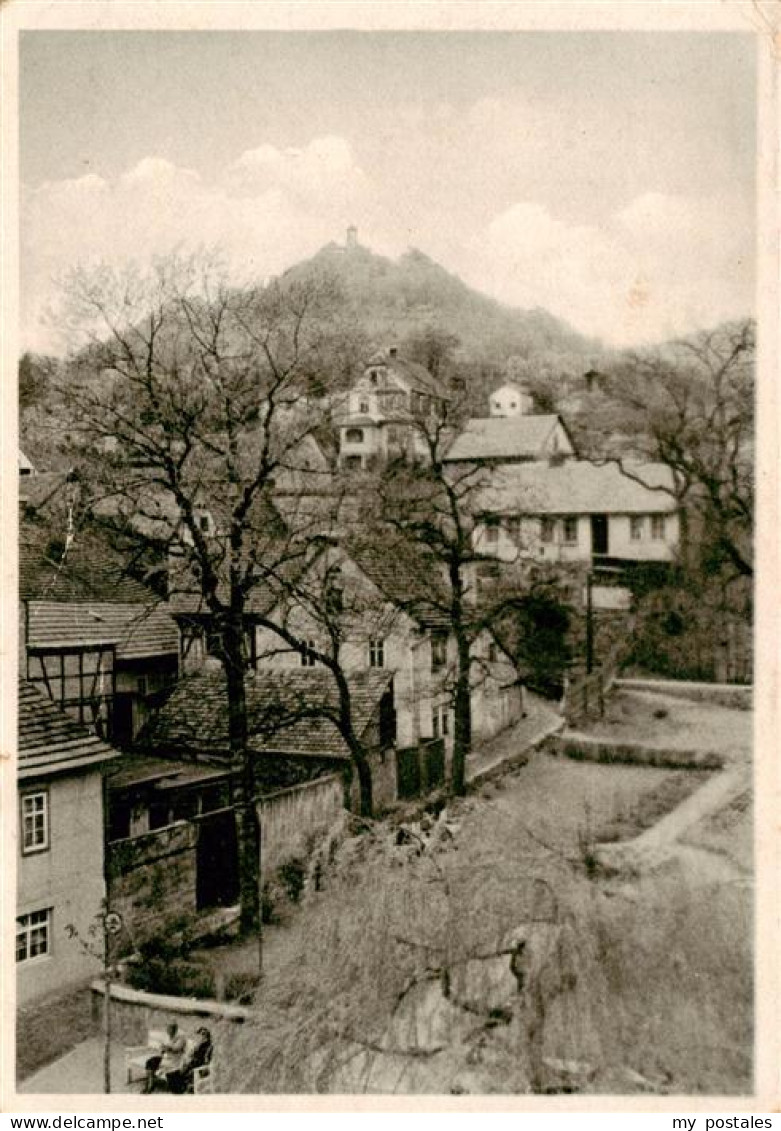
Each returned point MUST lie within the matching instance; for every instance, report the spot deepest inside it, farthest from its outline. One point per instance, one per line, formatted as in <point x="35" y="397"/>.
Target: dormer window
<point x="373" y="376"/>
<point x="364" y="406"/>
<point x="205" y="523"/>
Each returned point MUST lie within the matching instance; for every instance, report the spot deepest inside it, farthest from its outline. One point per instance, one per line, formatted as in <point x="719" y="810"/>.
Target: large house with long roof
<point x="579" y="512"/>
<point x="60" y="871"/>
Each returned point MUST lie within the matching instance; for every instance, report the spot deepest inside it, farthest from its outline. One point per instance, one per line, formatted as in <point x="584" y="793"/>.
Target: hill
<point x="435" y="318"/>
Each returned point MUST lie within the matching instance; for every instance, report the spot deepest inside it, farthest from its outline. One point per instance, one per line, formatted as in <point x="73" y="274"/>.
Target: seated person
<point x="198" y="1054"/>
<point x="168" y="1061"/>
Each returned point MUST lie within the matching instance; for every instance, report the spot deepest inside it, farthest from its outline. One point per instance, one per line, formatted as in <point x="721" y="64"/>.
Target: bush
<point x="292" y="875"/>
<point x="177" y="977"/>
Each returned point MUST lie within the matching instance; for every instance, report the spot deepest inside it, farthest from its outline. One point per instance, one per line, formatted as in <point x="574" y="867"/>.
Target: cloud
<point x="659" y="267"/>
<point x="270" y="208"/>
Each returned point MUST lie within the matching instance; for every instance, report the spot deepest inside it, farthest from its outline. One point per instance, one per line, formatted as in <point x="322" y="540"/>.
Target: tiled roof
<point x="407" y="577"/>
<point x="413" y="375"/>
<point x="49" y="741"/>
<point x="503" y="437"/>
<point x="577" y="487"/>
<point x="285" y="709"/>
<point x="136" y="630"/>
<point x="88" y="570"/>
<point x="133" y="770"/>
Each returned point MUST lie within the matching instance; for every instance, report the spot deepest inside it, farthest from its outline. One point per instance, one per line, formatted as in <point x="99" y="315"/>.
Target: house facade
<point x="96" y="642"/>
<point x="579" y="512"/>
<point x="60" y="862"/>
<point x="379" y="419"/>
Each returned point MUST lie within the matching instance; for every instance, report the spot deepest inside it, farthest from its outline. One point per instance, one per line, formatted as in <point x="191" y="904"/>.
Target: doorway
<point x="599" y="539"/>
<point x="217" y="861"/>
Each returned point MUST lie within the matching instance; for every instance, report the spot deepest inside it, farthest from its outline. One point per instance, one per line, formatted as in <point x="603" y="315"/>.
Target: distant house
<point x="95" y="641"/>
<point x="511" y="400"/>
<point x="24" y="464"/>
<point x="579" y="512"/>
<point x="379" y="418"/>
<point x="60" y="862"/>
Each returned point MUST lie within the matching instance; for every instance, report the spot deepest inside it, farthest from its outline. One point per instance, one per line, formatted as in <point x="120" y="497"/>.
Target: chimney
<point x="392" y="351"/>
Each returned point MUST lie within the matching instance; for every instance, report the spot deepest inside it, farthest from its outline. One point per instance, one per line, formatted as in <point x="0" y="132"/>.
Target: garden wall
<point x="291" y="818"/>
<point x="736" y="695"/>
<point x="153" y="878"/>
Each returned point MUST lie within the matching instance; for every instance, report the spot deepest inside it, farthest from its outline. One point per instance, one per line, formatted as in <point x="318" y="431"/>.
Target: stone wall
<point x="153" y="879"/>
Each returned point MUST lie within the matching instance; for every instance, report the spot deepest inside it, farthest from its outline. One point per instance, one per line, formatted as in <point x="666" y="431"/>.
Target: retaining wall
<point x="583" y="748"/>
<point x="135" y="1012"/>
<point x="736" y="695"/>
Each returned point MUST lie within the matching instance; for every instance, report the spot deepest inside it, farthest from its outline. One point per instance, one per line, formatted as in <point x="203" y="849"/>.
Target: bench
<point x="136" y="1056"/>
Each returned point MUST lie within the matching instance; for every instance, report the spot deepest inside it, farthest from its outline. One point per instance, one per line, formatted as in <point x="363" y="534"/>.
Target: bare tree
<point x="690" y="406"/>
<point x="183" y="408"/>
<point x="434" y="507"/>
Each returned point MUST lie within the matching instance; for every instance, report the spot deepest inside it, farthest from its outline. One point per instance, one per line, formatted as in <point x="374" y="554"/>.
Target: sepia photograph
<point x="385" y="461"/>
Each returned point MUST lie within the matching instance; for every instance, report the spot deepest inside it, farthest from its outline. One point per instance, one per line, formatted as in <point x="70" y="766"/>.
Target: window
<point x="435" y="723"/>
<point x="497" y="404"/>
<point x="204" y="522"/>
<point x="445" y="721"/>
<point x="570" y="530"/>
<point x="636" y="527"/>
<point x="657" y="526"/>
<point x="35" y="822"/>
<point x="513" y="404"/>
<point x="492" y="530"/>
<point x="548" y="529"/>
<point x="141" y="686"/>
<point x="33" y="935"/>
<point x="354" y="435"/>
<point x="363" y="407"/>
<point x="376" y="653"/>
<point x="373" y="376"/>
<point x="493" y="652"/>
<point x="514" y="527"/>
<point x="438" y="651"/>
<point x="307" y="657"/>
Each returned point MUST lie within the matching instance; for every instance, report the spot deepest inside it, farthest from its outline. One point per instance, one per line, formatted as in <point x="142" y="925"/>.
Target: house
<point x="96" y="641"/>
<point x="392" y="622"/>
<point x="60" y="873"/>
<point x="511" y="400"/>
<point x="494" y="441"/>
<point x="24" y="465"/>
<point x="579" y="512"/>
<point x="172" y="849"/>
<point x="380" y="417"/>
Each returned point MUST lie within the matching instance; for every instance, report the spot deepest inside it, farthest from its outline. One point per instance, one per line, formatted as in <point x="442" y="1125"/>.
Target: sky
<point x="606" y="177"/>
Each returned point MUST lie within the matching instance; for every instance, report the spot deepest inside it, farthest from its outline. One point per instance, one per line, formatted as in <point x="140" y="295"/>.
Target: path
<point x="79" y="1072"/>
<point x="513" y="744"/>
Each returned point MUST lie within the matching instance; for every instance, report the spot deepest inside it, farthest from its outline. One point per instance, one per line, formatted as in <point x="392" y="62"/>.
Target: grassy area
<point x="654" y="980"/>
<point x="660" y="720"/>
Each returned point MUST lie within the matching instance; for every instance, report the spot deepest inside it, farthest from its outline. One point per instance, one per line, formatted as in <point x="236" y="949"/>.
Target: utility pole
<point x="106" y="1006"/>
<point x="589" y="624"/>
